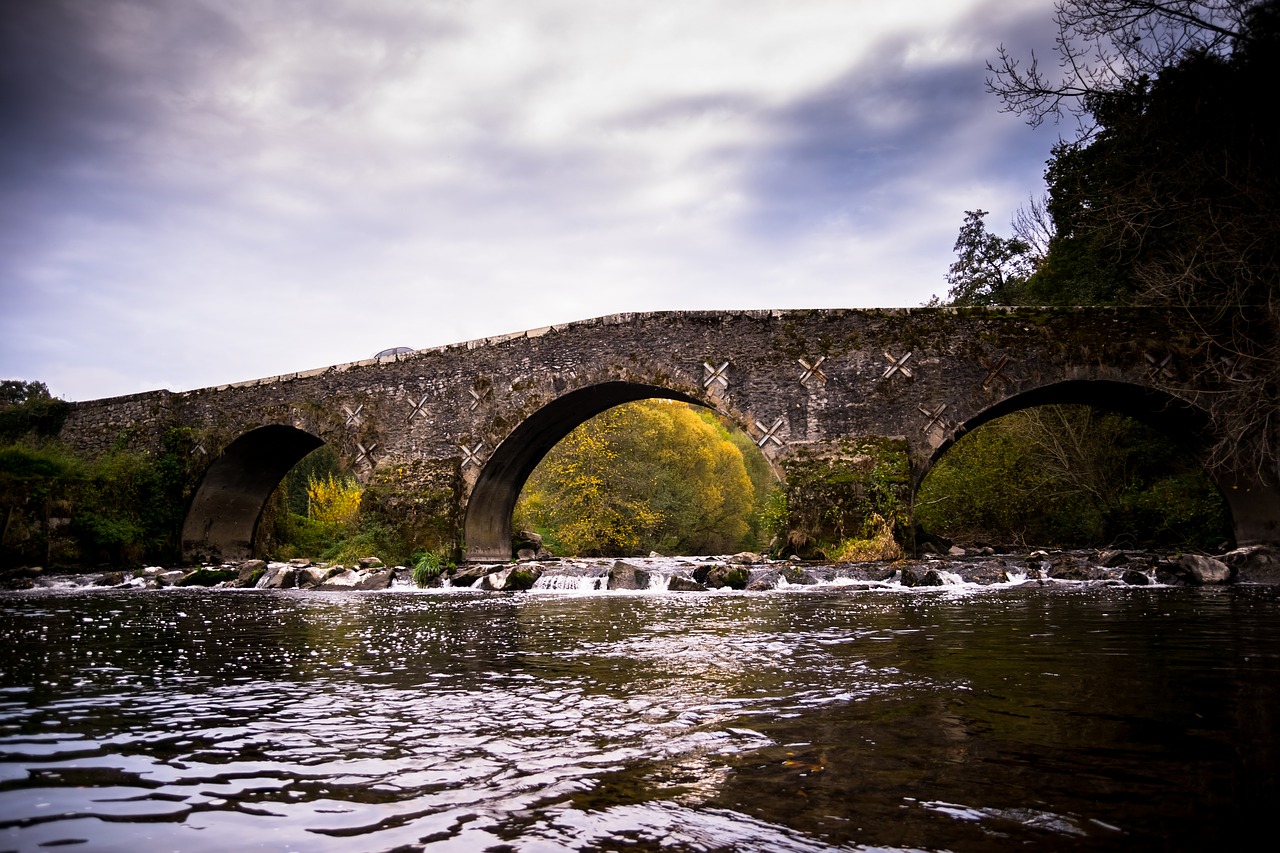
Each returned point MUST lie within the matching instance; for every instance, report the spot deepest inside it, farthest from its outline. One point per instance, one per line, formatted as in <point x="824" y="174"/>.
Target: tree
<point x="1109" y="46"/>
<point x="989" y="270"/>
<point x="647" y="476"/>
<point x="1169" y="195"/>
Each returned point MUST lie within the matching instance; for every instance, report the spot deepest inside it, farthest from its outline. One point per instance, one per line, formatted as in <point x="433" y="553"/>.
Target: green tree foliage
<point x="989" y="270"/>
<point x="1169" y="195"/>
<point x="1070" y="476"/>
<point x="123" y="507"/>
<point x="26" y="408"/>
<point x="647" y="476"/>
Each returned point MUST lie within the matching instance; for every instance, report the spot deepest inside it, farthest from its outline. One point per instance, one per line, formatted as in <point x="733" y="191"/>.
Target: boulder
<point x="370" y="563"/>
<point x="956" y="551"/>
<point x="1255" y="564"/>
<point x="1133" y="577"/>
<point x="376" y="579"/>
<point x="510" y="579"/>
<point x="1066" y="568"/>
<point x="626" y="576"/>
<point x="342" y="579"/>
<point x="1111" y="559"/>
<point x="797" y="576"/>
<point x="679" y="583"/>
<point x="468" y="575"/>
<point x="206" y="576"/>
<point x="1199" y="569"/>
<point x="250" y="572"/>
<point x="746" y="558"/>
<point x="279" y="577"/>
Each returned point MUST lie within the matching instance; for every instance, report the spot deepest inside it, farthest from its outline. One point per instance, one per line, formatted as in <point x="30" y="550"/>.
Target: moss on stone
<point x="207" y="577"/>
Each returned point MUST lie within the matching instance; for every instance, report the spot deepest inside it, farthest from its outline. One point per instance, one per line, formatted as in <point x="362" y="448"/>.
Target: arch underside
<point x="1254" y="508"/>
<point x="493" y="498"/>
<point x="226" y="508"/>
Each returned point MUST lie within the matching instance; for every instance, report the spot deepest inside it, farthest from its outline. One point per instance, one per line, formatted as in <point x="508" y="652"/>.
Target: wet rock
<point x="746" y="558"/>
<point x="797" y="576"/>
<point x="250" y="572"/>
<point x="310" y="577"/>
<point x="1199" y="569"/>
<point x="370" y="563"/>
<point x="679" y="583"/>
<point x="510" y="579"/>
<point x="344" y="578"/>
<point x="468" y="575"/>
<point x="909" y="576"/>
<point x="1168" y="573"/>
<point x="1066" y="568"/>
<point x="1255" y="564"/>
<point x="764" y="580"/>
<point x="377" y="579"/>
<point x="913" y="576"/>
<point x="1133" y="577"/>
<point x="21" y="578"/>
<point x="956" y="551"/>
<point x="206" y="576"/>
<point x="717" y="576"/>
<point x="626" y="576"/>
<point x="279" y="577"/>
<point x="1112" y="559"/>
<point x="985" y="572"/>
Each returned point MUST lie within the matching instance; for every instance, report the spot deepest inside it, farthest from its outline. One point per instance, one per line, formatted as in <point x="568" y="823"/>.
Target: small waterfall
<point x="571" y="583"/>
<point x="659" y="582"/>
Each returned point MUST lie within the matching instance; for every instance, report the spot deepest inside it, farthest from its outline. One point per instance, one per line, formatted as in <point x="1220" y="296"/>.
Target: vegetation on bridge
<point x="61" y="508"/>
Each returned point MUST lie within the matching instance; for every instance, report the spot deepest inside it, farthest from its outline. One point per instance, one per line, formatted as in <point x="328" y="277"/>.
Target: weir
<point x="446" y="436"/>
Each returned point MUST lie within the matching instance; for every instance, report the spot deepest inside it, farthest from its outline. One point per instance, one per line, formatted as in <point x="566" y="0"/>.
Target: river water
<point x="1030" y="716"/>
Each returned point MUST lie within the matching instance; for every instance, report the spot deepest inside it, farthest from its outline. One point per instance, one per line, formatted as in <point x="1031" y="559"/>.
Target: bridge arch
<point x="1253" y="511"/>
<point x="223" y="517"/>
<point x="487" y="528"/>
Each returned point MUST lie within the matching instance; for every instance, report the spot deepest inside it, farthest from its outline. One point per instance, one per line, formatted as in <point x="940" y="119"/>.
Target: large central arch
<point x="493" y="498"/>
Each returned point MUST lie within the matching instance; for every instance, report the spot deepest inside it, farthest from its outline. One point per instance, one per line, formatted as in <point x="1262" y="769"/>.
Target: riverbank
<point x="746" y="571"/>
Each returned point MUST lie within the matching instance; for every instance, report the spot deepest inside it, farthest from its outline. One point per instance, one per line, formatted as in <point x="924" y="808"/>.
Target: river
<point x="1033" y="716"/>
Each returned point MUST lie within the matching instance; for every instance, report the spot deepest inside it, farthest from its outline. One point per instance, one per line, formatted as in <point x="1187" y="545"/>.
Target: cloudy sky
<point x="194" y="192"/>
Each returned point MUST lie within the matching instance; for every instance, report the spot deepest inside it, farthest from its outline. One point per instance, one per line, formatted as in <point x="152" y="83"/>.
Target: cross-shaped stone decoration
<point x="897" y="365"/>
<point x="714" y="375"/>
<point x="935" y="417"/>
<point x="813" y="370"/>
<point x="471" y="455"/>
<point x="365" y="454"/>
<point x="1159" y="368"/>
<point x="418" y="409"/>
<point x="769" y="433"/>
<point x="477" y="397"/>
<point x="353" y="417"/>
<point x="996" y="371"/>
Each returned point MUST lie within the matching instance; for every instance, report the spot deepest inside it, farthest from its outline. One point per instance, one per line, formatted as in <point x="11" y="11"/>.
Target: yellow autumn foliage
<point x="333" y="501"/>
<point x="648" y="476"/>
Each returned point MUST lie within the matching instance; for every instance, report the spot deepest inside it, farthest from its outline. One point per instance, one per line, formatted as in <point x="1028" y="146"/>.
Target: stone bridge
<point x="451" y="433"/>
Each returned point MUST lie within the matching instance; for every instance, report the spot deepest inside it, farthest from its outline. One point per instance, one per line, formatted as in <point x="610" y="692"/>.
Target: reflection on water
<point x="1043" y="718"/>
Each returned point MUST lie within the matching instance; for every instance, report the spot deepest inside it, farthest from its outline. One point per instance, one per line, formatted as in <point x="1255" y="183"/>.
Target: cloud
<point x="201" y="192"/>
